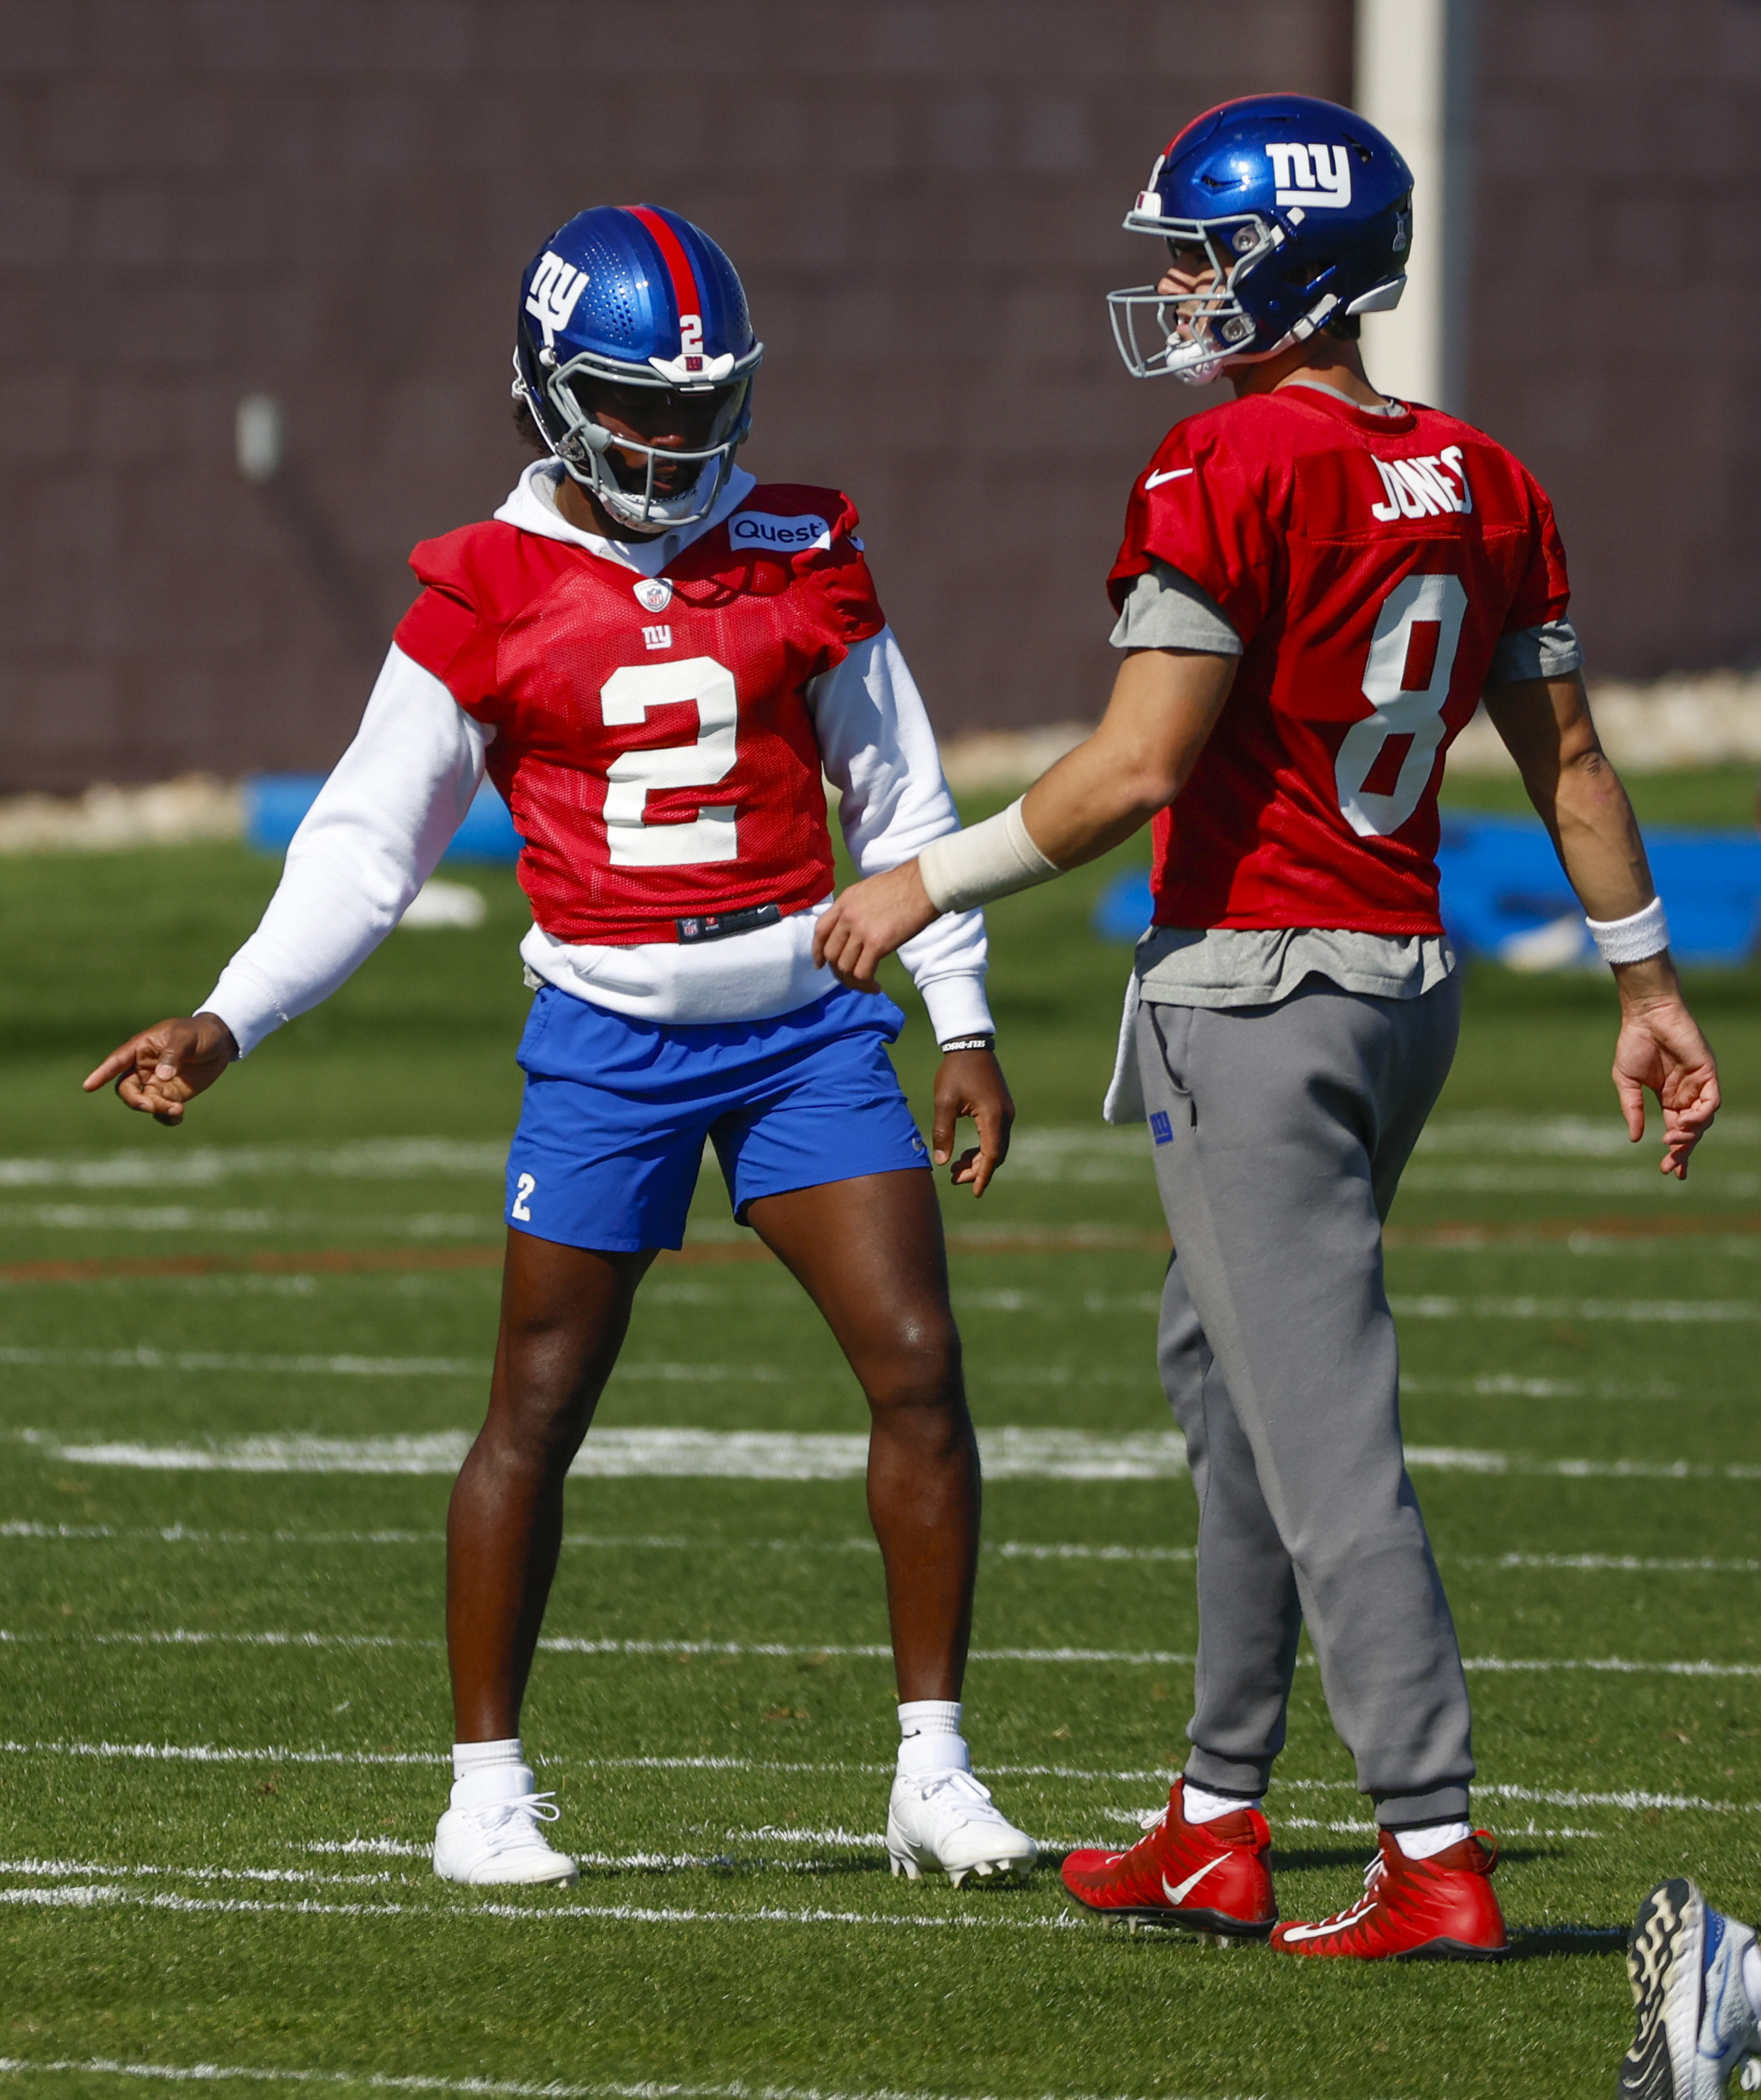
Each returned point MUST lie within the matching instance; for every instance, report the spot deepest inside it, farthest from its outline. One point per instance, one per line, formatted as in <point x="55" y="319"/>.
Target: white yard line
<point x="564" y="1912"/>
<point x="68" y="1869"/>
<point x="146" y="1358"/>
<point x="72" y="1895"/>
<point x="373" y="1159"/>
<point x="1006" y="1549"/>
<point x="1008" y="1453"/>
<point x="1652" y="1311"/>
<point x="1630" y="1800"/>
<point x="1479" y="1130"/>
<point x="1474" y="1132"/>
<point x="482" y="2088"/>
<point x="176" y="1637"/>
<point x="1642" y="1180"/>
<point x="773" y="1834"/>
<point x="1495" y="1385"/>
<point x="1597" y="1563"/>
<point x="207" y="1754"/>
<point x="189" y="1218"/>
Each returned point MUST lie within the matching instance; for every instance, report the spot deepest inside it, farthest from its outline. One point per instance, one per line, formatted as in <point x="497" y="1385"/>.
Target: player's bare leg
<point x="869" y="1252"/>
<point x="564" y="1312"/>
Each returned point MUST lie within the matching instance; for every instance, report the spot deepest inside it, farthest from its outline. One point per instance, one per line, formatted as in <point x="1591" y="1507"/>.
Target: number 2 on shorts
<point x="626" y="697"/>
<point x="1386" y="758"/>
<point x="522" y="1205"/>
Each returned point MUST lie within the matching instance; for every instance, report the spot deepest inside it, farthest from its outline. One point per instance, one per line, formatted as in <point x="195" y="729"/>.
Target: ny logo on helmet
<point x="1315" y="176"/>
<point x="556" y="288"/>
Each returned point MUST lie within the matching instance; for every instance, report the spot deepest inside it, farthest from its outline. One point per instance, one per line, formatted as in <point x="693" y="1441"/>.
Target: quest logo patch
<point x="779" y="536"/>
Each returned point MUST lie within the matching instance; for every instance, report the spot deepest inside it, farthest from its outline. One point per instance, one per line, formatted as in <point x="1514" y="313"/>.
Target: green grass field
<point x="226" y="1713"/>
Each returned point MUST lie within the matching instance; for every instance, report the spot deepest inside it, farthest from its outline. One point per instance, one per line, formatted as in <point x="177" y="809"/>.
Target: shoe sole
<point x="1432" y="1950"/>
<point x="1217" y="1921"/>
<point x="985" y="1870"/>
<point x="1671" y="1924"/>
<point x="565" y="1880"/>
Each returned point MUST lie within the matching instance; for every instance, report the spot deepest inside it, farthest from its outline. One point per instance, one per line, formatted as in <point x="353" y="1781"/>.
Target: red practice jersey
<point x="1370" y="565"/>
<point x="653" y="741"/>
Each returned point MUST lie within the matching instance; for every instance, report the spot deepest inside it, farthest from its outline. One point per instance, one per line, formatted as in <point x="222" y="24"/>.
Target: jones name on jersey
<point x="1370" y="565"/>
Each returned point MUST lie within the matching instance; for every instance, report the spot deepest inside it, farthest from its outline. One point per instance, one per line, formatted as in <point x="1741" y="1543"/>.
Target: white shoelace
<point x="969" y="1797"/>
<point x="496" y="1816"/>
<point x="1373" y="1874"/>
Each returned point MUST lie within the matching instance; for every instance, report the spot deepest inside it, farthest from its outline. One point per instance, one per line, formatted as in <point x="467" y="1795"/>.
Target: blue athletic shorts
<point x="612" y="1131"/>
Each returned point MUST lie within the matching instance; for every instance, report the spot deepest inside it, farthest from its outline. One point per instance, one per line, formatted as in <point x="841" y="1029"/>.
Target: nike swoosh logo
<point x="1168" y="473"/>
<point x="1178" y="1896"/>
<point x="1332" y="1924"/>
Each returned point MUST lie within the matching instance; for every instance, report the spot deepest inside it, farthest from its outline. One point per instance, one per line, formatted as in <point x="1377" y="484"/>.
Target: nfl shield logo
<point x="653" y="594"/>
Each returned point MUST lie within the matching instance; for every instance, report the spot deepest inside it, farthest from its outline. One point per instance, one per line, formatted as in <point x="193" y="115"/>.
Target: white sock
<point x="1199" y="1804"/>
<point x="485" y="1772"/>
<point x="1751" y="1976"/>
<point x="930" y="1738"/>
<point x="1430" y="1838"/>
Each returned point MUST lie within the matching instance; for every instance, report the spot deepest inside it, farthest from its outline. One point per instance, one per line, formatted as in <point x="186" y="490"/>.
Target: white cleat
<point x="498" y="1843"/>
<point x="944" y="1822"/>
<point x="1693" y="2021"/>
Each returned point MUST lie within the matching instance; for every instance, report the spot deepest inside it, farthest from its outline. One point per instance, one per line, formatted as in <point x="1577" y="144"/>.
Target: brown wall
<point x="330" y="201"/>
<point x="1616" y="324"/>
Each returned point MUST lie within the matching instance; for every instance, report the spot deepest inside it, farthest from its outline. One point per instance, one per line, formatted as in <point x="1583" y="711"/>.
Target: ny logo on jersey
<point x="1318" y="175"/>
<point x="556" y="288"/>
<point x="1423" y="488"/>
<point x="657" y="637"/>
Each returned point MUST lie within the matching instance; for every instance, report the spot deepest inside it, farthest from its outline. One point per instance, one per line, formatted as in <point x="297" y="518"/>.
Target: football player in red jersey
<point x="1317" y="585"/>
<point x="654" y="657"/>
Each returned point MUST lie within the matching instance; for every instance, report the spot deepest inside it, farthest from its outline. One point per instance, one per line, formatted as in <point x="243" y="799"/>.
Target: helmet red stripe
<point x="687" y="293"/>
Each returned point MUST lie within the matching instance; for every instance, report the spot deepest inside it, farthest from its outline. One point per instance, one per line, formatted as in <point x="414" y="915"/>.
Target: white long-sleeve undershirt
<point x="387" y="812"/>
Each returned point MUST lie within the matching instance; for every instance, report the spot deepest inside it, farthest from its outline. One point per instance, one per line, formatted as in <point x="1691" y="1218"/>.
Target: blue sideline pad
<point x="276" y="803"/>
<point x="1503" y="894"/>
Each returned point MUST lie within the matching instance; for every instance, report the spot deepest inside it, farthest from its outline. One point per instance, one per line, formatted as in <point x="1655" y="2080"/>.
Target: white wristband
<point x="963" y="869"/>
<point x="1633" y="939"/>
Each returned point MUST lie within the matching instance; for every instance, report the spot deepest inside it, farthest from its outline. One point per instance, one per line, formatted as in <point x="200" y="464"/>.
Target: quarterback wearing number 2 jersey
<point x="658" y="662"/>
<point x="1317" y="587"/>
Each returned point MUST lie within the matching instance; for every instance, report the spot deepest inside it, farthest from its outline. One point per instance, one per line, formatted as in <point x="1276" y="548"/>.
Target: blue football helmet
<point x="1305" y="212"/>
<point x="635" y="294"/>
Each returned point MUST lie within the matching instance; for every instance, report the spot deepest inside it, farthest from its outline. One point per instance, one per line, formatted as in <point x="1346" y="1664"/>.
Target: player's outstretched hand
<point x="970" y="1082"/>
<point x="167" y="1065"/>
<point x="857" y="931"/>
<point x="1660" y="1047"/>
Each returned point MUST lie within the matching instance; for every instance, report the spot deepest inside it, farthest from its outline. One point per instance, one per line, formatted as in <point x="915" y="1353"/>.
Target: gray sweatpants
<point x="1280" y="1133"/>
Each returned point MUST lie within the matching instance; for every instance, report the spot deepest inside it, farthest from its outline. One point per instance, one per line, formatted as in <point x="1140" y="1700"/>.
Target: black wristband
<point x="968" y="1043"/>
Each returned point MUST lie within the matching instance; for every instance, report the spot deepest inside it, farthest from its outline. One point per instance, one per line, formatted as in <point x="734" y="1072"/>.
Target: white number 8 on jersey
<point x="626" y="697"/>
<point x="1406" y="681"/>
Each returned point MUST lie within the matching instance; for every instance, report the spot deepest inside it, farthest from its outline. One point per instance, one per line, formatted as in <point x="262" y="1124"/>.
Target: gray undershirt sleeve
<point x="1549" y="651"/>
<point x="1165" y="609"/>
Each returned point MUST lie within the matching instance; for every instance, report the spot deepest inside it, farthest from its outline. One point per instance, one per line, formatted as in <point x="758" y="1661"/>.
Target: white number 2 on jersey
<point x="1406" y="681"/>
<point x="626" y="697"/>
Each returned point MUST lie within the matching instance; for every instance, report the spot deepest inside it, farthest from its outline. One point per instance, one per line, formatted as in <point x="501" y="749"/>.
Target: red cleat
<point x="1439" y="1909"/>
<point x="1206" y="1877"/>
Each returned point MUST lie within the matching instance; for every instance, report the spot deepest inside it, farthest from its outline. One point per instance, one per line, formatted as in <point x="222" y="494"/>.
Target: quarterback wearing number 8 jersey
<point x="1317" y="587"/>
<point x="658" y="661"/>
